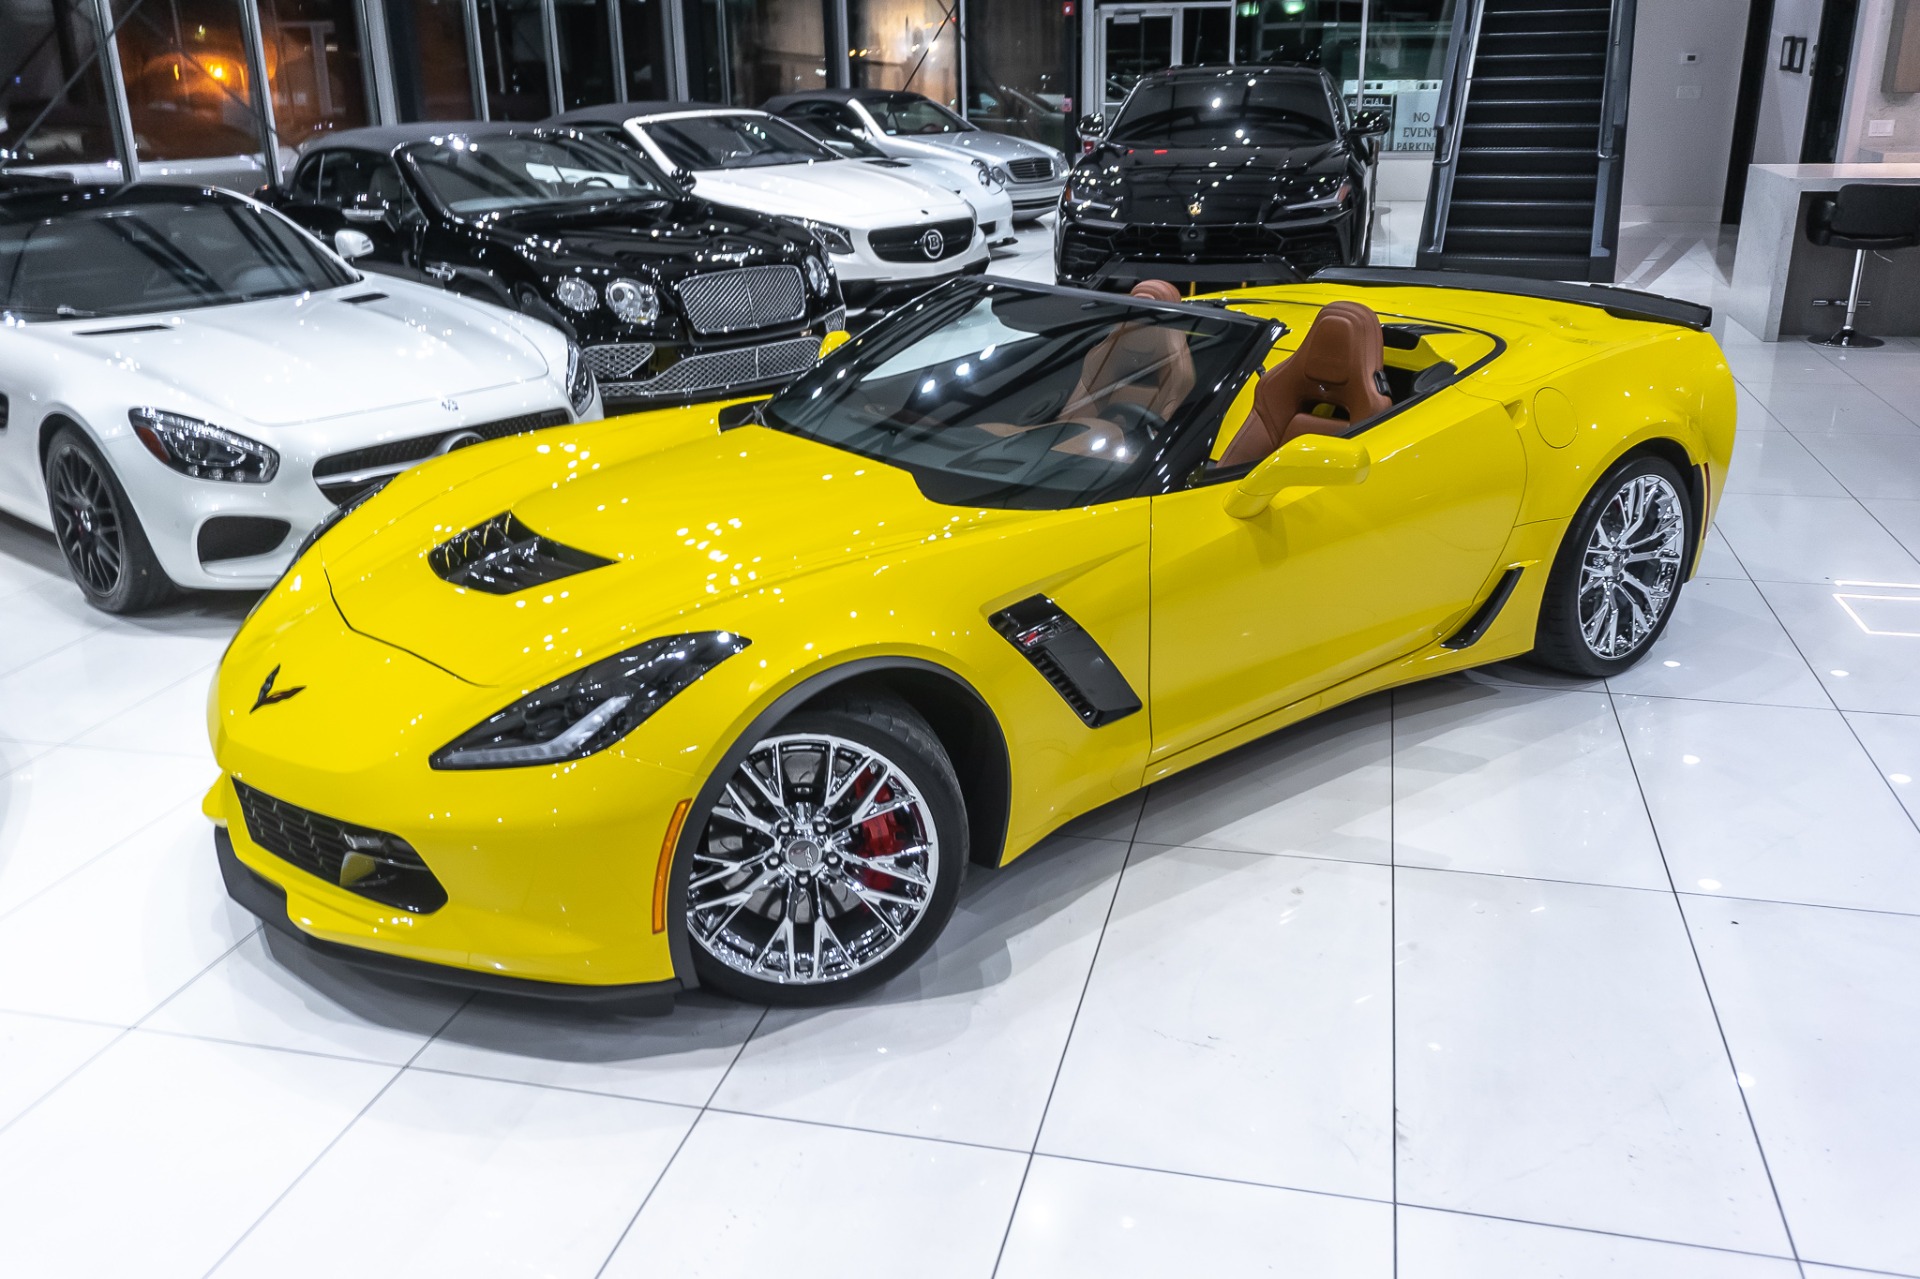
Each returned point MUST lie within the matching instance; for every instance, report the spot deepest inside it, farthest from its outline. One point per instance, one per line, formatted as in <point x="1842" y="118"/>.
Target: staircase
<point x="1532" y="136"/>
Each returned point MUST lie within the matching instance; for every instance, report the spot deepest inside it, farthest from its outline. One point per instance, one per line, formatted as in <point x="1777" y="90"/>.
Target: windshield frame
<point x="408" y="155"/>
<point x="1245" y="82"/>
<point x="324" y="271"/>
<point x="1160" y="469"/>
<point x="878" y="108"/>
<point x="820" y="153"/>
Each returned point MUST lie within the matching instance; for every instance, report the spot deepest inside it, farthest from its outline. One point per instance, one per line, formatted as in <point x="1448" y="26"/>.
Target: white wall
<point x="1866" y="102"/>
<point x="1782" y="126"/>
<point x="1680" y="114"/>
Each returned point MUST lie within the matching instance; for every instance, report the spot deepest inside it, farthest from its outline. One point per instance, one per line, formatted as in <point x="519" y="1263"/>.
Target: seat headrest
<point x="1155" y="291"/>
<point x="1345" y="340"/>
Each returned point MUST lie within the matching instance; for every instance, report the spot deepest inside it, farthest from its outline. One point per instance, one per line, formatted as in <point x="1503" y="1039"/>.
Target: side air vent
<point x="1069" y="659"/>
<point x="3" y="413"/>
<point x="503" y="555"/>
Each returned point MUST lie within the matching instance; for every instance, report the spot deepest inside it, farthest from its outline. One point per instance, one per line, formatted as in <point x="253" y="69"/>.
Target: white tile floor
<point x="1508" y="975"/>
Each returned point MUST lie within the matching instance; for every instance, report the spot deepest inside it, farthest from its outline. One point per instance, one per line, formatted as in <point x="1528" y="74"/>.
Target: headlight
<point x="832" y="238"/>
<point x="579" y="380"/>
<point x="1000" y="175"/>
<point x="987" y="174"/>
<point x="592" y="708"/>
<point x="201" y="449"/>
<point x="816" y="272"/>
<point x="1315" y="198"/>
<point x="575" y="294"/>
<point x="1083" y="203"/>
<point x="634" y="302"/>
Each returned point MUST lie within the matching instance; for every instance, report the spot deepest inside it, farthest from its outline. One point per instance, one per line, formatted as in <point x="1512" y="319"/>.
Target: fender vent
<point x="503" y="555"/>
<point x="1069" y="659"/>
<point x="3" y="412"/>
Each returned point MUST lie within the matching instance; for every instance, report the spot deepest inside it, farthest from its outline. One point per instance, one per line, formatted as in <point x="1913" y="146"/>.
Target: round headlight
<point x="575" y="294"/>
<point x="634" y="302"/>
<point x="817" y="278"/>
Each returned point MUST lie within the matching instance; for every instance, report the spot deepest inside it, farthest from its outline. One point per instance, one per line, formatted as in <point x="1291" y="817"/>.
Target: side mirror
<point x="1371" y="124"/>
<point x="1093" y="128"/>
<point x="351" y="244"/>
<point x="833" y="341"/>
<point x="683" y="178"/>
<point x="1307" y="461"/>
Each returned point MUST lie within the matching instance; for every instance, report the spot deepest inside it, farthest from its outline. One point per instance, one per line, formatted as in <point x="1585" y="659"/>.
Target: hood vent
<point x="125" y="328"/>
<point x="503" y="555"/>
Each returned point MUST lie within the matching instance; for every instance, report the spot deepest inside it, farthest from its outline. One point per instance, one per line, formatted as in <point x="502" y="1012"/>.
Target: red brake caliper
<point x="880" y="836"/>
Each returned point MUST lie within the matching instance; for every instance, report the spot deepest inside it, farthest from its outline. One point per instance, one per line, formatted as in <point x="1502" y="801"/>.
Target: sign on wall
<point x="1409" y="103"/>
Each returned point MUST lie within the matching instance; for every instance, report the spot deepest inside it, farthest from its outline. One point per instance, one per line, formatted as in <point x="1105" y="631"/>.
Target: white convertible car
<point x="891" y="232"/>
<point x="189" y="383"/>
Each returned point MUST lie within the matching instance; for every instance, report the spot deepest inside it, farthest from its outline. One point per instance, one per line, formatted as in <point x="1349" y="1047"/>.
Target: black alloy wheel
<point x="100" y="536"/>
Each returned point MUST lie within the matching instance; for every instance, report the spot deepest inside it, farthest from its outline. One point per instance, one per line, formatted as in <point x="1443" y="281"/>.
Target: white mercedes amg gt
<point x="189" y="383"/>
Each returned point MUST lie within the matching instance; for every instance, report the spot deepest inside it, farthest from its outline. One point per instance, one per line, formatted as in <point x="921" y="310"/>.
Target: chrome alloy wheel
<point x="1631" y="566"/>
<point x="86" y="521"/>
<point x="818" y="861"/>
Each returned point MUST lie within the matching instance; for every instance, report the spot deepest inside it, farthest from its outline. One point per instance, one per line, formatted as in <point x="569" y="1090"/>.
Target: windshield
<point x="910" y="113"/>
<point x="734" y="142"/>
<point x="995" y="394"/>
<point x="1257" y="111"/>
<point x="136" y="259"/>
<point x="486" y="175"/>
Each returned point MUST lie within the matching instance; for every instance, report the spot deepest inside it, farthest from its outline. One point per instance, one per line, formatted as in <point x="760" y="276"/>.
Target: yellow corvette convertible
<point x="731" y="695"/>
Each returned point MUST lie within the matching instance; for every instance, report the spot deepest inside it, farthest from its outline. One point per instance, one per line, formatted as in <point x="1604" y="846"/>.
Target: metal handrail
<point x="1463" y="46"/>
<point x="1604" y="144"/>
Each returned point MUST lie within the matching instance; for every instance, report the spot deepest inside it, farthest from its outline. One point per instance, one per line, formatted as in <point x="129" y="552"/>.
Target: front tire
<point x="831" y="860"/>
<point x="1618" y="573"/>
<point x="100" y="537"/>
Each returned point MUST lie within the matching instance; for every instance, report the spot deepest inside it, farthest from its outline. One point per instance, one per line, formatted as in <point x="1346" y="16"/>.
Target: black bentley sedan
<point x="1220" y="175"/>
<point x="672" y="298"/>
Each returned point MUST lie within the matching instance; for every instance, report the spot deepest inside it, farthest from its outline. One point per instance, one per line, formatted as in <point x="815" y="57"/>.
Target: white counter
<point x="1768" y="242"/>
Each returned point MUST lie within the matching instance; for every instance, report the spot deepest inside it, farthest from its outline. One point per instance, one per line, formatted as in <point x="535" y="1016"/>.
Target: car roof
<point x="386" y="137"/>
<point x="838" y="95"/>
<point x="32" y="203"/>
<point x="621" y="112"/>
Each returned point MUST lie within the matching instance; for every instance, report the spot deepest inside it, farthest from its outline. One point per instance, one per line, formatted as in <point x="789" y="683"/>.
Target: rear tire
<point x="1618" y="574"/>
<point x="100" y="537"/>
<point x="790" y="899"/>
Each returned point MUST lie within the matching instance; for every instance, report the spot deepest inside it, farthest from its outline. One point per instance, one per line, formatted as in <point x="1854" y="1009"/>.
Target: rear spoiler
<point x="1624" y="304"/>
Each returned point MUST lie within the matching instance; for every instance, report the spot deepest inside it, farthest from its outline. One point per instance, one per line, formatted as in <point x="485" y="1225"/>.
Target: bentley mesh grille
<point x="618" y="361"/>
<point x="343" y="475"/>
<point x="748" y="297"/>
<point x="910" y="243"/>
<point x="359" y="859"/>
<point x="1031" y="169"/>
<point x="742" y="368"/>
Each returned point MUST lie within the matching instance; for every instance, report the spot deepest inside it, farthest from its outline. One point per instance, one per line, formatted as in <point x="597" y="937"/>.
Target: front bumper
<point x="268" y="901"/>
<point x="1123" y="254"/>
<point x="883" y="295"/>
<point x="1031" y="199"/>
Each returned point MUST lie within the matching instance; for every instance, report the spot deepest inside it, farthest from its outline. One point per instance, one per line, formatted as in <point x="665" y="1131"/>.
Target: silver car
<point x="909" y="124"/>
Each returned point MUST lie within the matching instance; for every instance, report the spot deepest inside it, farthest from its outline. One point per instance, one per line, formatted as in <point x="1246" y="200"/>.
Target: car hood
<point x="988" y="146"/>
<point x="707" y="518"/>
<point x="667" y="235"/>
<point x="843" y="192"/>
<point x="1229" y="184"/>
<point x="307" y="358"/>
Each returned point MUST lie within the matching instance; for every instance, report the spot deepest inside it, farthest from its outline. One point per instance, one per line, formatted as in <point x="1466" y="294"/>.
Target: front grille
<point x="361" y="860"/>
<point x="1176" y="207"/>
<point x="740" y="368"/>
<point x="1033" y="169"/>
<point x="618" y="361"/>
<point x="1085" y="250"/>
<point x="748" y="297"/>
<point x="342" y="476"/>
<point x="910" y="243"/>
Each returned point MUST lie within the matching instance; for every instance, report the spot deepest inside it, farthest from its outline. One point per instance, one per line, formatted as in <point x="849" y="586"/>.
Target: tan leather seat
<point x="1144" y="364"/>
<point x="1340" y="365"/>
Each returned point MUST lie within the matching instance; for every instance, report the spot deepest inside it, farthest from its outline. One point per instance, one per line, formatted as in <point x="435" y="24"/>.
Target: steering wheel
<point x="593" y="180"/>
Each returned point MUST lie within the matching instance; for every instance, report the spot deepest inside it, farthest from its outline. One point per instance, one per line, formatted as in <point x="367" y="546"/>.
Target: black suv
<point x="1220" y="175"/>
<point x="673" y="299"/>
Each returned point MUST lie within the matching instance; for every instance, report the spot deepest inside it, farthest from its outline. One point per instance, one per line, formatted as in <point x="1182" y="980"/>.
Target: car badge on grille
<point x="932" y="243"/>
<point x="268" y="696"/>
<point x="450" y="404"/>
<point x="1193" y="210"/>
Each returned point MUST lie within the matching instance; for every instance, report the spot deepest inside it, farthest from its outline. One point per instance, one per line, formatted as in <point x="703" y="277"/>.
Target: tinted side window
<point x="305" y="186"/>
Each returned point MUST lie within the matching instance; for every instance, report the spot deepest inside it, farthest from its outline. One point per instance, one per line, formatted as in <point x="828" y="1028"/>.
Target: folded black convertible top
<point x="1625" y="304"/>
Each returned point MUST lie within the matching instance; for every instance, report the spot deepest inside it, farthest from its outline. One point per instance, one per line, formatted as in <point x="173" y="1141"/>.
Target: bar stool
<point x="1863" y="216"/>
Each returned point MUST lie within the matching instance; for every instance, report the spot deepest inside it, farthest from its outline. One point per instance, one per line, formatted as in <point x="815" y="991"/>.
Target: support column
<point x="262" y="90"/>
<point x="120" y="116"/>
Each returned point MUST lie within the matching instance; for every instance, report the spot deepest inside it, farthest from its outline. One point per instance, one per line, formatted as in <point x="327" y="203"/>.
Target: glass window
<point x="742" y="52"/>
<point x="433" y="76"/>
<point x="315" y="67"/>
<point x="1406" y="58"/>
<point x="905" y="44"/>
<point x="1020" y="71"/>
<point x="1138" y="44"/>
<point x="734" y="142"/>
<point x="513" y="52"/>
<point x="1323" y="32"/>
<point x="997" y="395"/>
<point x="188" y="79"/>
<point x="359" y="179"/>
<point x="838" y="126"/>
<point x="1206" y="36"/>
<point x="44" y="48"/>
<point x="643" y="36"/>
<point x="586" y="56"/>
<point x="489" y="175"/>
<point x="1258" y="110"/>
<point x="906" y="113"/>
<point x="158" y="256"/>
